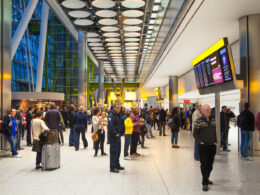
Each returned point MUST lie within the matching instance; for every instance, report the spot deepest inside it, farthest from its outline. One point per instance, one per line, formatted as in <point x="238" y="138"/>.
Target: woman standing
<point x="81" y="124"/>
<point x="37" y="127"/>
<point x="10" y="131"/>
<point x="97" y="128"/>
<point x="174" y="124"/>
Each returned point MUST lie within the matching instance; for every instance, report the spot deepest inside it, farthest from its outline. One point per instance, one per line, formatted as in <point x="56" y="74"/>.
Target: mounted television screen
<point x="214" y="69"/>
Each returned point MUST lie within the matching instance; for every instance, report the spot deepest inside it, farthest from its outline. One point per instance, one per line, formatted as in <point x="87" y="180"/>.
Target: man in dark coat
<point x="116" y="129"/>
<point x="52" y="118"/>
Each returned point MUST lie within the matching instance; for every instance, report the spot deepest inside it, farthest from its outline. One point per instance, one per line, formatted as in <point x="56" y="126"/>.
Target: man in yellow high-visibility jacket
<point x="128" y="132"/>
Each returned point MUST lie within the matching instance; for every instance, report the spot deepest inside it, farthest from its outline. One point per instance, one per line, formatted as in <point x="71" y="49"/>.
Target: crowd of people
<point x="134" y="124"/>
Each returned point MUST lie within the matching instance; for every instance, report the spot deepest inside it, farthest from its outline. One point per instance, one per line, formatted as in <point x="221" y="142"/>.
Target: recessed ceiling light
<point x="106" y="13"/>
<point x="92" y="34"/>
<point x="113" y="44"/>
<point x="133" y="13"/>
<point x="112" y="40"/>
<point x="132" y="28"/>
<point x="103" y="4"/>
<point x="132" y="39"/>
<point x="79" y="14"/>
<point x="107" y="22"/>
<point x="133" y="3"/>
<point x="153" y="15"/>
<point x="110" y="28"/>
<point x="131" y="44"/>
<point x="95" y="44"/>
<point x="111" y="34"/>
<point x="76" y="4"/>
<point x="156" y="7"/>
<point x="94" y="40"/>
<point x="132" y="34"/>
<point x="83" y="22"/>
<point x="133" y="21"/>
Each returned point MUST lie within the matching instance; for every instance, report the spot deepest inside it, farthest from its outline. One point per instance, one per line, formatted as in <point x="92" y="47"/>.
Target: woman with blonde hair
<point x="81" y="125"/>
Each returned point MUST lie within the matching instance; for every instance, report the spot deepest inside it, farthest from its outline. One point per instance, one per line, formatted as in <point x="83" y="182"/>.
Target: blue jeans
<point x="246" y="137"/>
<point x="11" y="140"/>
<point x="18" y="138"/>
<point x="196" y="150"/>
<point x="127" y="144"/>
<point x="71" y="136"/>
<point x="223" y="140"/>
<point x="174" y="137"/>
<point x="83" y="137"/>
<point x="149" y="129"/>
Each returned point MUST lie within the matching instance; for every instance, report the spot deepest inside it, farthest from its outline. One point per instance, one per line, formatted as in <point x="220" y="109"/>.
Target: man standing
<point x="53" y="118"/>
<point x="246" y="122"/>
<point x="29" y="118"/>
<point x="162" y="118"/>
<point x="19" y="116"/>
<point x="71" y="124"/>
<point x="224" y="128"/>
<point x="205" y="134"/>
<point x="196" y="115"/>
<point x="116" y="129"/>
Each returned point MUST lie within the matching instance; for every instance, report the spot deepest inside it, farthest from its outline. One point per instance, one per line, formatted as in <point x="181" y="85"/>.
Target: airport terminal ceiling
<point x="206" y="22"/>
<point x="120" y="33"/>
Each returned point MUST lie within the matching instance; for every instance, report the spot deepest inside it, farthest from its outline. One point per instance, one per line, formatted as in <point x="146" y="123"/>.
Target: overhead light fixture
<point x="156" y="7"/>
<point x="153" y="15"/>
<point x="152" y="22"/>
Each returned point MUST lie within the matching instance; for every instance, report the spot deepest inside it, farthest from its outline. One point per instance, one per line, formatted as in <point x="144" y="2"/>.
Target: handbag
<point x="94" y="137"/>
<point x="171" y="123"/>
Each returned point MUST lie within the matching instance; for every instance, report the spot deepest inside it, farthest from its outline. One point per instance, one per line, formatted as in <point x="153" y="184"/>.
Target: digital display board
<point x="214" y="66"/>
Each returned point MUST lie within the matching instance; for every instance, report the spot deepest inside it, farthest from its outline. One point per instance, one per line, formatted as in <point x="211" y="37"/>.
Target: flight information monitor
<point x="214" y="69"/>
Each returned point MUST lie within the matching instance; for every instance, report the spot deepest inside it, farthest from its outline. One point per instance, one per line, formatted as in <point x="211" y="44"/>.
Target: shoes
<point x="205" y="188"/>
<point x="153" y="137"/>
<point x="177" y="146"/>
<point x="120" y="168"/>
<point x="226" y="150"/>
<point x="86" y="147"/>
<point x="210" y="182"/>
<point x="173" y="146"/>
<point x="164" y="135"/>
<point x="38" y="167"/>
<point x="247" y="158"/>
<point x="95" y="155"/>
<point x="144" y="147"/>
<point x="104" y="154"/>
<point x="138" y="154"/>
<point x="17" y="156"/>
<point x="71" y="145"/>
<point x="133" y="155"/>
<point x="20" y="149"/>
<point x="114" y="171"/>
<point x="127" y="158"/>
<point x="197" y="159"/>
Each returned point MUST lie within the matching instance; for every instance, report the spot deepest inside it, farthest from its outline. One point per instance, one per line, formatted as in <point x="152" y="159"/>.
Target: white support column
<point x="42" y="45"/>
<point x="22" y="26"/>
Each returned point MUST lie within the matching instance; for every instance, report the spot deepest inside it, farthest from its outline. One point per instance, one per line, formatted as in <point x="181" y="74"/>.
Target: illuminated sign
<point x="214" y="67"/>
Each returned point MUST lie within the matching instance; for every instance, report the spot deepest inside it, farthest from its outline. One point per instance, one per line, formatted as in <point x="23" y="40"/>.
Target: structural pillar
<point x="83" y="69"/>
<point x="101" y="83"/>
<point x="5" y="66"/>
<point x="249" y="27"/>
<point x="22" y="26"/>
<point x="217" y="119"/>
<point x="173" y="92"/>
<point x="42" y="45"/>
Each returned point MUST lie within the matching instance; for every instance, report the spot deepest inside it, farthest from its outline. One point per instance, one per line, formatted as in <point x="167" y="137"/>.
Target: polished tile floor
<point x="160" y="170"/>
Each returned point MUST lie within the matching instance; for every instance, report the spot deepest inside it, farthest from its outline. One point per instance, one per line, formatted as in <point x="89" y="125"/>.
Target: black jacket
<point x="177" y="123"/>
<point x="80" y="121"/>
<point x="28" y="119"/>
<point x="223" y="122"/>
<point x="7" y="126"/>
<point x="205" y="131"/>
<point x="115" y="124"/>
<point x="71" y="118"/>
<point x="246" y="121"/>
<point x="162" y="115"/>
<point x="52" y="119"/>
<point x="19" y="117"/>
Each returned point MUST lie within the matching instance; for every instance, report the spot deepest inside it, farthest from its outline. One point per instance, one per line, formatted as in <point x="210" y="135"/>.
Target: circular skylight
<point x="79" y="14"/>
<point x="133" y="21"/>
<point x="131" y="44"/>
<point x="83" y="22"/>
<point x="131" y="48"/>
<point x="93" y="40"/>
<point x="113" y="44"/>
<point x="132" y="28"/>
<point x="92" y="34"/>
<point x="109" y="28"/>
<point x="132" y="39"/>
<point x="97" y="51"/>
<point x="107" y="22"/>
<point x="95" y="44"/>
<point x="111" y="34"/>
<point x="106" y="13"/>
<point x="103" y="4"/>
<point x="132" y="34"/>
<point x="114" y="48"/>
<point x="76" y="4"/>
<point x="97" y="48"/>
<point x="112" y="40"/>
<point x="133" y="3"/>
<point x="133" y="13"/>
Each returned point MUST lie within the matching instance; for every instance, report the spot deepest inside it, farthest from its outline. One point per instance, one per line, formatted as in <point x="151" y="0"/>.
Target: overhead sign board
<point x="214" y="69"/>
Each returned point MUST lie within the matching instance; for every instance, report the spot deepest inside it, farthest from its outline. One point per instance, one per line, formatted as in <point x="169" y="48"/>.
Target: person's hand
<point x="1" y="121"/>
<point x="117" y="135"/>
<point x="215" y="143"/>
<point x="202" y="143"/>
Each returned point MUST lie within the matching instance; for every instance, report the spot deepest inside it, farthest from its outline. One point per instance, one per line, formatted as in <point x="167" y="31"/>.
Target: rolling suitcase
<point x="50" y="156"/>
